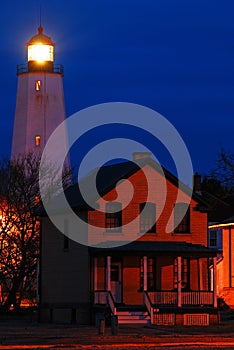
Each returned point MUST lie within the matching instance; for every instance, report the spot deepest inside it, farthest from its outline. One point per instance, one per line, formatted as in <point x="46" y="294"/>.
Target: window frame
<point x="147" y="218"/>
<point x="184" y="225"/>
<point x="213" y="239"/>
<point x="185" y="273"/>
<point x="151" y="274"/>
<point x="113" y="220"/>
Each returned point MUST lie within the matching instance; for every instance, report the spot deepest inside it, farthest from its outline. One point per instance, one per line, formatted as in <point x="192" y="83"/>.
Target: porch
<point x="159" y="287"/>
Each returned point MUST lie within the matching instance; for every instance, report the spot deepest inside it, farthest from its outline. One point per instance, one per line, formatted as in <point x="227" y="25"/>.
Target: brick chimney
<point x="141" y="155"/>
<point x="197" y="182"/>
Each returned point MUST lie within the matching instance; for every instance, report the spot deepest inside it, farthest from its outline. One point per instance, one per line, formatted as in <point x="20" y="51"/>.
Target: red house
<point x="141" y="263"/>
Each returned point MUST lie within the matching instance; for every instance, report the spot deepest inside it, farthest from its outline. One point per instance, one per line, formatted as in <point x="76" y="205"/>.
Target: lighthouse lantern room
<point x="40" y="52"/>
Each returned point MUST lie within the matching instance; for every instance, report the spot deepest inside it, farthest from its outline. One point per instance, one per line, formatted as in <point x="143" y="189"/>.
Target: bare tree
<point x="224" y="171"/>
<point x="19" y="227"/>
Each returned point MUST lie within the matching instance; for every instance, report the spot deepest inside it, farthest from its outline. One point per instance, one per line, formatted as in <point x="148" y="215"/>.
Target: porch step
<point x="132" y="313"/>
<point x="139" y="317"/>
<point x="130" y="321"/>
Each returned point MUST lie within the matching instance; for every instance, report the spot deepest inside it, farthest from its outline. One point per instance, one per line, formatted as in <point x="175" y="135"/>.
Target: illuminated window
<point x="38" y="85"/>
<point x="37" y="141"/>
<point x="113" y="217"/>
<point x="148" y="217"/>
<point x="182" y="226"/>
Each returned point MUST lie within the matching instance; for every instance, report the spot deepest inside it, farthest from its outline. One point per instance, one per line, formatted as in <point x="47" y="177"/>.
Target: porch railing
<point x="163" y="298"/>
<point x="149" y="306"/>
<point x="23" y="68"/>
<point x="170" y="298"/>
<point x="100" y="297"/>
<point x="104" y="297"/>
<point x="197" y="298"/>
<point x="111" y="302"/>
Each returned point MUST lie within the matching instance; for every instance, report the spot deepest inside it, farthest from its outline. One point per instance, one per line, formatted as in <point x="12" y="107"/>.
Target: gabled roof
<point x="108" y="176"/>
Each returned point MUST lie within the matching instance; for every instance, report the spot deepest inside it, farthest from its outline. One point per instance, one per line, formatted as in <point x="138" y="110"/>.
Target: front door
<point x="116" y="281"/>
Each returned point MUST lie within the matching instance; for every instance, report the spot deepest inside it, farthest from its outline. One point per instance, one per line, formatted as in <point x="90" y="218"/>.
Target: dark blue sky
<point x="174" y="56"/>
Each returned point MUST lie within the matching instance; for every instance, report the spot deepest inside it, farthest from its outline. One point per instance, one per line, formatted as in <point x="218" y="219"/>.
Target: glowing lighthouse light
<point x="40" y="53"/>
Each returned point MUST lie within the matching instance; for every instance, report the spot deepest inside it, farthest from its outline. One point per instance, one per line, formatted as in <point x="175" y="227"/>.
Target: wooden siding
<point x="157" y="188"/>
<point x="64" y="273"/>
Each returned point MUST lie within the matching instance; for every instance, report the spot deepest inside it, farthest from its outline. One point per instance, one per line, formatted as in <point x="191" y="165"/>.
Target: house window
<point x="184" y="273"/>
<point x="38" y="85"/>
<point x="113" y="217"/>
<point x="147" y="217"/>
<point x="37" y="141"/>
<point x="184" y="225"/>
<point x="213" y="238"/>
<point x="151" y="271"/>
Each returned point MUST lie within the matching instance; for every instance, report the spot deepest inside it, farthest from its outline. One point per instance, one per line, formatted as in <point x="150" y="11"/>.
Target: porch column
<point x="108" y="273"/>
<point x="200" y="282"/>
<point x="215" y="281"/>
<point x="145" y="287"/>
<point x="95" y="273"/>
<point x="179" y="281"/>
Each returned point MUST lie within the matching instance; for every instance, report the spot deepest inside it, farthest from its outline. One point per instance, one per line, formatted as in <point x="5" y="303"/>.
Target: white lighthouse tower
<point x="40" y="99"/>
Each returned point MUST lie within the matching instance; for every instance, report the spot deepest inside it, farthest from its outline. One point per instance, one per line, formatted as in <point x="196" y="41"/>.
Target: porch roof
<point x="161" y="248"/>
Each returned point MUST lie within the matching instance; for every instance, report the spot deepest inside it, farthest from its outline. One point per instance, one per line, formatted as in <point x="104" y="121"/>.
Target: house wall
<point x="203" y="273"/>
<point x="165" y="273"/>
<point x="64" y="278"/>
<point x="101" y="274"/>
<point x="143" y="186"/>
<point x="131" y="280"/>
<point x="194" y="271"/>
<point x="225" y="268"/>
<point x="220" y="278"/>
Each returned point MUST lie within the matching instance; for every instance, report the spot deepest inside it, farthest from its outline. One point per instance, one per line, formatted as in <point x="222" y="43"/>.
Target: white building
<point x="40" y="99"/>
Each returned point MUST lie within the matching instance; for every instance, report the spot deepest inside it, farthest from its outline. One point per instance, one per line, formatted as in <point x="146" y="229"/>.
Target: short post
<point x="114" y="324"/>
<point x="51" y="315"/>
<point x="101" y="325"/>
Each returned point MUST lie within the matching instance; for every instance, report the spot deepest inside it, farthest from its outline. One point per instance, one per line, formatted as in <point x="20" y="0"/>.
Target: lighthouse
<point x="40" y="99"/>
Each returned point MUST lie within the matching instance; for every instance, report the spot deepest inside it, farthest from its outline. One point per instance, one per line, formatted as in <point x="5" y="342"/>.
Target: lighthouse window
<point x="38" y="85"/>
<point x="37" y="141"/>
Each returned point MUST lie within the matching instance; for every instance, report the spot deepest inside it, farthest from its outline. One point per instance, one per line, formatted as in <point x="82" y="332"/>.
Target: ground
<point x="26" y="333"/>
